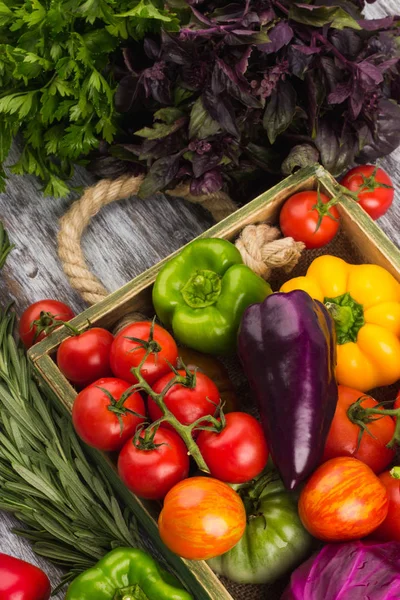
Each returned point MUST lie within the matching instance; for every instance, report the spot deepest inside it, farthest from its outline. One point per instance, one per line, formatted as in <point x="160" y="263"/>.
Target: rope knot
<point x="262" y="250"/>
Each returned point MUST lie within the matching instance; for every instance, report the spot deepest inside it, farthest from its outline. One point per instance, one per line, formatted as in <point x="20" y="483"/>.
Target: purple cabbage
<point x="225" y="100"/>
<point x="352" y="571"/>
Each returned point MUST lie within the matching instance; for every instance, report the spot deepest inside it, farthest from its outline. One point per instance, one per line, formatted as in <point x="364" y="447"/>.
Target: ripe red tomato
<point x="343" y="437"/>
<point x="127" y="353"/>
<point x="374" y="189"/>
<point x="389" y="530"/>
<point x="239" y="452"/>
<point x="85" y="357"/>
<point x="95" y="414"/>
<point x="33" y="324"/>
<point x="201" y="518"/>
<point x="343" y="500"/>
<point x="187" y="404"/>
<point x="300" y="215"/>
<point x="153" y="472"/>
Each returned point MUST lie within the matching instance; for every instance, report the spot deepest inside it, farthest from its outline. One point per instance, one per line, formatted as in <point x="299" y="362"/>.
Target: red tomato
<point x="152" y="473"/>
<point x="94" y="414"/>
<point x="187" y="404"/>
<point x="33" y="324"/>
<point x="85" y="357"/>
<point x="201" y="518"/>
<point x="299" y="219"/>
<point x="127" y="353"/>
<point x="375" y="189"/>
<point x="21" y="580"/>
<point x="343" y="500"/>
<point x="389" y="530"/>
<point x="343" y="437"/>
<point x="239" y="452"/>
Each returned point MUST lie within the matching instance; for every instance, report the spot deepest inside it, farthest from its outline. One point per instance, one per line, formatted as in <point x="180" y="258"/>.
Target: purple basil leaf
<point x="356" y="99"/>
<point x="315" y="95"/>
<point x="242" y="65"/>
<point x="221" y="110"/>
<point x="336" y="151"/>
<point x="224" y="78"/>
<point x="201" y="18"/>
<point x="307" y="50"/>
<point x="280" y="110"/>
<point x="369" y="73"/>
<point x="387" y="131"/>
<point x="280" y="36"/>
<point x="348" y="42"/>
<point x="298" y="62"/>
<point x="205" y="162"/>
<point x="202" y="125"/>
<point x="340" y="93"/>
<point x="265" y="158"/>
<point x="332" y="74"/>
<point x="151" y="48"/>
<point x="387" y="65"/>
<point x="375" y="24"/>
<point x="160" y="175"/>
<point x="227" y="14"/>
<point x="173" y="50"/>
<point x="209" y="183"/>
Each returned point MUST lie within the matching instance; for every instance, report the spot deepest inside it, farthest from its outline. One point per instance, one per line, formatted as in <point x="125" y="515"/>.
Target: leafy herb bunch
<point x="55" y="88"/>
<point x="259" y="86"/>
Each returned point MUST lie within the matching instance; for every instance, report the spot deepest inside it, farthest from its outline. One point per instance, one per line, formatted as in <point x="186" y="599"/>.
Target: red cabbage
<point x="352" y="571"/>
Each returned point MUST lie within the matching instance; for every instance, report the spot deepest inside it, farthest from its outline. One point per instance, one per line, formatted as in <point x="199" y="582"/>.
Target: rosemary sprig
<point x="5" y="245"/>
<point x="71" y="515"/>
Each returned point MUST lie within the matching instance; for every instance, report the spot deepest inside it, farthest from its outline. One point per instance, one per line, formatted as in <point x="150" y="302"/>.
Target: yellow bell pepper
<point x="364" y="301"/>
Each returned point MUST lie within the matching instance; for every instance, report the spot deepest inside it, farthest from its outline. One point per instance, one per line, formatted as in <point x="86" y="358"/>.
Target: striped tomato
<point x="201" y="518"/>
<point x="343" y="500"/>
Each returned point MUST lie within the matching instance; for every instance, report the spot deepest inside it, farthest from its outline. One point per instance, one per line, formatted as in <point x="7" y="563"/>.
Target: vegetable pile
<point x="218" y="94"/>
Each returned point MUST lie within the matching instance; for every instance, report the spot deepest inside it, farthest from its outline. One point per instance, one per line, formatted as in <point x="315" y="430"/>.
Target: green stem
<point x="361" y="416"/>
<point x="185" y="431"/>
<point x="395" y="472"/>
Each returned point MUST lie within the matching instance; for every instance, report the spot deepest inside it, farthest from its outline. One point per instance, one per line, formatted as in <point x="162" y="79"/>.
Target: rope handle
<point x="259" y="245"/>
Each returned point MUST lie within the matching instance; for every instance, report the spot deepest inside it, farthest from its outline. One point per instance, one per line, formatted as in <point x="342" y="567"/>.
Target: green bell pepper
<point x="126" y="574"/>
<point x="201" y="295"/>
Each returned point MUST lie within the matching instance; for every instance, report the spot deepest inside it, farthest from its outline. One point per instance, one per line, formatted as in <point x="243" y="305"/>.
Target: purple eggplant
<point x="287" y="346"/>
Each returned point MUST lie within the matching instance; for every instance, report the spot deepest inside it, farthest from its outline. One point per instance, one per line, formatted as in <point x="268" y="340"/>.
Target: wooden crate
<point x="360" y="240"/>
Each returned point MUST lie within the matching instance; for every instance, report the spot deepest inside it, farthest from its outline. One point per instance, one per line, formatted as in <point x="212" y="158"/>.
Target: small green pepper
<point x="126" y="574"/>
<point x="202" y="293"/>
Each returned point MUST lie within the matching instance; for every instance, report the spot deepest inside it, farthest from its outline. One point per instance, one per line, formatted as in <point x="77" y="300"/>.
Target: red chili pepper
<point x="20" y="580"/>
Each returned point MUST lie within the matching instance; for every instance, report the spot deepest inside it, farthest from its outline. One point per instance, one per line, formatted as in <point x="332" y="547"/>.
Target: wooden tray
<point x="360" y="240"/>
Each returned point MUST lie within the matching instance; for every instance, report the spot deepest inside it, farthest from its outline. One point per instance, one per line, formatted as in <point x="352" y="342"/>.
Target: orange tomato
<point x="343" y="500"/>
<point x="201" y="518"/>
<point x="343" y="437"/>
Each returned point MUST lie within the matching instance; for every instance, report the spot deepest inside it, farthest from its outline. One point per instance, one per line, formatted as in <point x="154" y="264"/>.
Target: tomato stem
<point x="185" y="431"/>
<point x="361" y="416"/>
<point x="48" y="322"/>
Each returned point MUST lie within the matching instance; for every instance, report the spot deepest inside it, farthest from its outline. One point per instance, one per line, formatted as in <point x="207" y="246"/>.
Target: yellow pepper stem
<point x="348" y="316"/>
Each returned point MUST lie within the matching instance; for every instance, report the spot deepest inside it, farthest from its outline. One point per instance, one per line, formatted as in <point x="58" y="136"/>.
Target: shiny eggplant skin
<point x="287" y="346"/>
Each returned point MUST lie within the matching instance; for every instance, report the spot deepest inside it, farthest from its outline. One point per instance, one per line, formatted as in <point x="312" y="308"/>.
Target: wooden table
<point x="124" y="240"/>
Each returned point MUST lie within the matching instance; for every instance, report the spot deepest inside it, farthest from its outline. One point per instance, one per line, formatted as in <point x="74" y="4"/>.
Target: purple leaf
<point x="307" y="50"/>
<point x="348" y="42"/>
<point x="340" y="93"/>
<point x="280" y="36"/>
<point x="205" y="162"/>
<point x="241" y="66"/>
<point x="160" y="175"/>
<point x="375" y="24"/>
<point x="151" y="48"/>
<point x="209" y="183"/>
<point x="386" y="137"/>
<point x="336" y="150"/>
<point x="221" y="110"/>
<point x="369" y="73"/>
<point x="280" y="110"/>
<point x="173" y="50"/>
<point x="224" y="79"/>
<point x="298" y="62"/>
<point x="126" y="93"/>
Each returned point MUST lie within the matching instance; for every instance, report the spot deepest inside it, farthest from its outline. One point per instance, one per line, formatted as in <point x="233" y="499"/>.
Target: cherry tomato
<point x="84" y="358"/>
<point x="300" y="215"/>
<point x="343" y="500"/>
<point x="343" y="438"/>
<point x="153" y="472"/>
<point x="389" y="530"/>
<point x="95" y="414"/>
<point x="187" y="404"/>
<point x="374" y="189"/>
<point x="127" y="353"/>
<point x="239" y="452"/>
<point x="45" y="312"/>
<point x="201" y="518"/>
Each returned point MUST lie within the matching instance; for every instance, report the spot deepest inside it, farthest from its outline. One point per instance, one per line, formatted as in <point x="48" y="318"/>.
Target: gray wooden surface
<point x="124" y="240"/>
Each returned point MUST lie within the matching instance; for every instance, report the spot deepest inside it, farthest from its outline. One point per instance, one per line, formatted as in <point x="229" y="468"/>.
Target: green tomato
<point x="274" y="542"/>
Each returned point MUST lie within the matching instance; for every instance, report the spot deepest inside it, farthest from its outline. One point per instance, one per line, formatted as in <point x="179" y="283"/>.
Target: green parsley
<point x="55" y="89"/>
